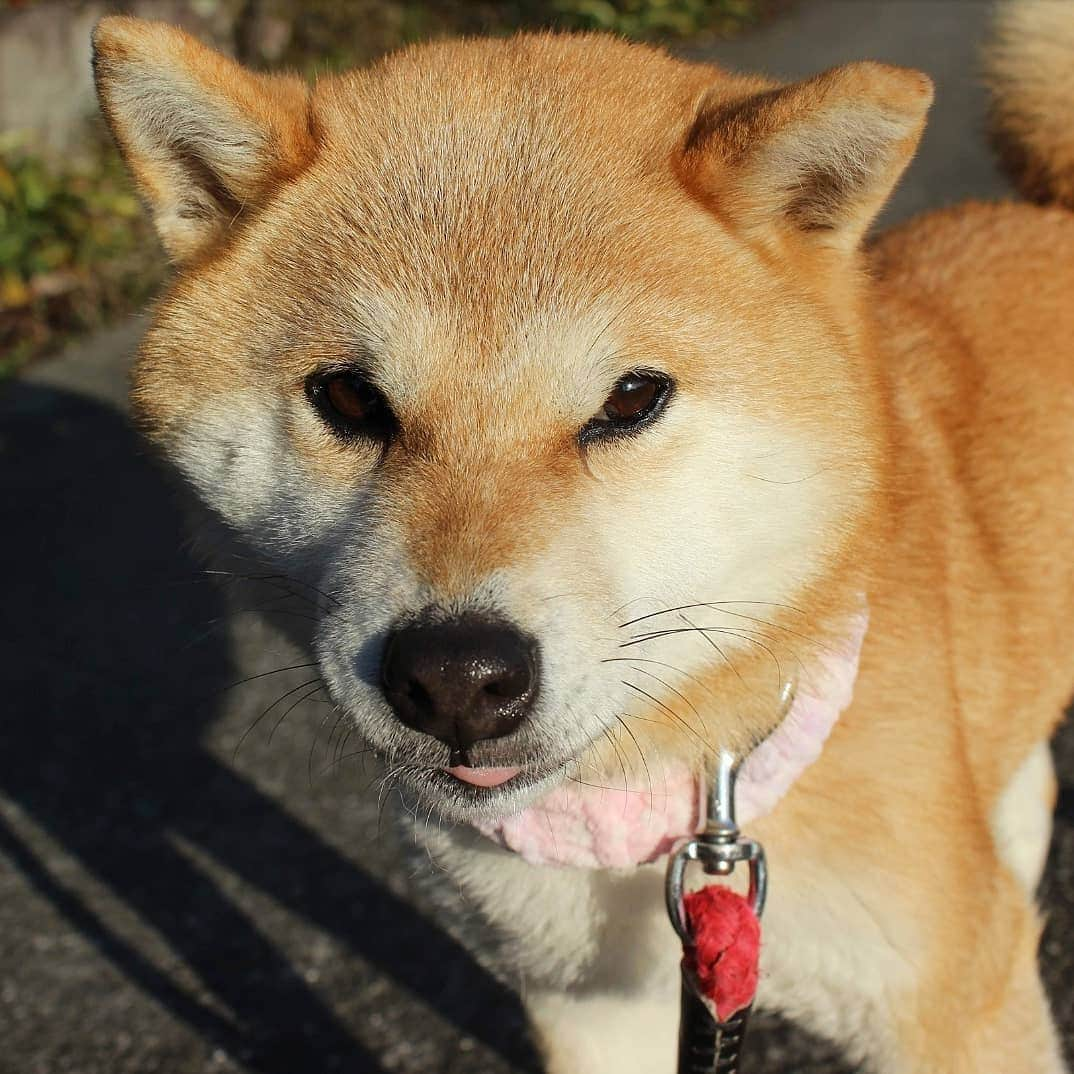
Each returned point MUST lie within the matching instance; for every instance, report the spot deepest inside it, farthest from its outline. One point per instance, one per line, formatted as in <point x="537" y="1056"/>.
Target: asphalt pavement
<point x="177" y="897"/>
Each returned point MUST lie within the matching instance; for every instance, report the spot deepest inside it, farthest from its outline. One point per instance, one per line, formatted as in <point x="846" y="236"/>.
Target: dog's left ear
<point x="206" y="139"/>
<point x="817" y="159"/>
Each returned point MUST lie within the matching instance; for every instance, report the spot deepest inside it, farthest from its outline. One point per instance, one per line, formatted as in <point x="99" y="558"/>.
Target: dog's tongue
<point x="483" y="777"/>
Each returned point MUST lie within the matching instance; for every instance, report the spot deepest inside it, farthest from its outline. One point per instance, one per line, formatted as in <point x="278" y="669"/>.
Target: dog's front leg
<point x="622" y="1015"/>
<point x="594" y="953"/>
<point x="606" y="1032"/>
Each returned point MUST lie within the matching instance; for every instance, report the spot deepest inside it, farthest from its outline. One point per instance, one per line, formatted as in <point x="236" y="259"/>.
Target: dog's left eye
<point x="352" y="405"/>
<point x="637" y="398"/>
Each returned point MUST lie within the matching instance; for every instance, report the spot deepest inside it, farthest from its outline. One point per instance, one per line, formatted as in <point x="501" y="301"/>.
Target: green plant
<point x="326" y="35"/>
<point x="651" y="18"/>
<point x="74" y="247"/>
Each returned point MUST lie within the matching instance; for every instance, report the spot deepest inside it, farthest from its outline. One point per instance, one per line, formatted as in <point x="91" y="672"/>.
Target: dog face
<point x="541" y="360"/>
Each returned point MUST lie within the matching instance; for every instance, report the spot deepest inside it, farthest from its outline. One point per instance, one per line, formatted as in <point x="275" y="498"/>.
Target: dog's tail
<point x="1030" y="66"/>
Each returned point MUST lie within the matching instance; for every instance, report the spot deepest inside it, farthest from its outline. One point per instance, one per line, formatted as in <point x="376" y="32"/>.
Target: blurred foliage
<point x="333" y="34"/>
<point x="74" y="247"/>
<point x="649" y="18"/>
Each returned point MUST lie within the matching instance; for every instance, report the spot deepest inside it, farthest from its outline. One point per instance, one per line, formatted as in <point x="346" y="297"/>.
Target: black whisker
<point x="776" y="626"/>
<point x="670" y="711"/>
<point x="262" y="675"/>
<point x="642" y="719"/>
<point x="267" y="578"/>
<point x="386" y="788"/>
<point x="294" y="704"/>
<point x="343" y="757"/>
<point x="619" y="756"/>
<point x="667" y="686"/>
<point x="275" y="581"/>
<point x="264" y="712"/>
<point x="340" y="716"/>
<point x="744" y="634"/>
<point x="343" y="740"/>
<point x="594" y="786"/>
<point x="727" y="660"/>
<point x="718" y="604"/>
<point x="641" y="756"/>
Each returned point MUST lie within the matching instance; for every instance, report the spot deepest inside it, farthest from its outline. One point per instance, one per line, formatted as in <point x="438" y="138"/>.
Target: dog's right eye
<point x="351" y="405"/>
<point x="636" y="399"/>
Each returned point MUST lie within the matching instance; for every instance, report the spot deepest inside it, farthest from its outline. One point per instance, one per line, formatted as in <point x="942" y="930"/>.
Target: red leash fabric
<point x="727" y="944"/>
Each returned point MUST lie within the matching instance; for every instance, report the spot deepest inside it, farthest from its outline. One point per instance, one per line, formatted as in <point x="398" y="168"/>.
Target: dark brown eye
<point x="636" y="399"/>
<point x="351" y="404"/>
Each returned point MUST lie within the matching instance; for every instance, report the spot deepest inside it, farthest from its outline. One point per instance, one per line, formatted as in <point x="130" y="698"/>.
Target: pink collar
<point x="606" y="828"/>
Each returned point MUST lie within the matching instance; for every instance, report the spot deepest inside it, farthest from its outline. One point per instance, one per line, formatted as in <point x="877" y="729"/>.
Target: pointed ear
<point x="818" y="158"/>
<point x="205" y="138"/>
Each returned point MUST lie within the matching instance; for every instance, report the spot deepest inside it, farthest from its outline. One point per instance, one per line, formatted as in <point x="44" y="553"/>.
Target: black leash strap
<point x="705" y="1045"/>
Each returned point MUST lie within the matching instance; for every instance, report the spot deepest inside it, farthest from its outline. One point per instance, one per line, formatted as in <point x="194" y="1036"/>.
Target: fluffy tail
<point x="1031" y="71"/>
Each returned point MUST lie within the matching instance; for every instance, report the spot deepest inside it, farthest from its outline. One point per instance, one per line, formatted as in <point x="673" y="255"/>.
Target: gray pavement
<point x="170" y="902"/>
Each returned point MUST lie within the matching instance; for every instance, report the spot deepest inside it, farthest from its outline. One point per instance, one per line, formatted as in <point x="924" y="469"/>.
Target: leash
<point x="720" y="932"/>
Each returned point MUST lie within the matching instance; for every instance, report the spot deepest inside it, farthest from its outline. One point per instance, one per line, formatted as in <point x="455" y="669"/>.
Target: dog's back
<point x="988" y="406"/>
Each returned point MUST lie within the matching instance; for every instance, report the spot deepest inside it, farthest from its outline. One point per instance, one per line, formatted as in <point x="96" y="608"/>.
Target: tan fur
<point x="498" y="230"/>
<point x="1029" y="67"/>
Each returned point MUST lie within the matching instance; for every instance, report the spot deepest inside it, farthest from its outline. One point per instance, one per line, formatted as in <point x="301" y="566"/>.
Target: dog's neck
<point x="596" y="827"/>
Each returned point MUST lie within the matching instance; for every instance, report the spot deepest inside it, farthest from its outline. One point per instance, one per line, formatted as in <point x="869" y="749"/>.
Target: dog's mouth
<point x="466" y="791"/>
<point x="486" y="786"/>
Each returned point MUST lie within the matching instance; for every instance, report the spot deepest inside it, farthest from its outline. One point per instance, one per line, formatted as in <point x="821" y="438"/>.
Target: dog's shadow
<point x="102" y="752"/>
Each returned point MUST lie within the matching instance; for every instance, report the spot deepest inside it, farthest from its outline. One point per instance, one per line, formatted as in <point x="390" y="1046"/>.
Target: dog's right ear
<point x="815" y="159"/>
<point x="205" y="138"/>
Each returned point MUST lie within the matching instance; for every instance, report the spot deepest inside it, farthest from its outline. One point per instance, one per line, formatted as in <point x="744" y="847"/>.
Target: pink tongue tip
<point x="483" y="777"/>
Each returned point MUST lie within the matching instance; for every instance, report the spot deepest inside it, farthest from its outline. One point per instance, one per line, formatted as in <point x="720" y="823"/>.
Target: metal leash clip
<point x="707" y="1046"/>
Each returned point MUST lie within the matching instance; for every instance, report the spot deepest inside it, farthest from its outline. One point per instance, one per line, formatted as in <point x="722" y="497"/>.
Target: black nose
<point x="462" y="680"/>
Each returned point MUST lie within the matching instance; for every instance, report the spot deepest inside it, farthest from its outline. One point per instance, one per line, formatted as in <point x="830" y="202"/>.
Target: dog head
<point x="542" y="359"/>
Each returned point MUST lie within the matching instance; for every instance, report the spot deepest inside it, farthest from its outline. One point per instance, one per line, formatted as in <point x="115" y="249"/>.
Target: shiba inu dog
<point x="559" y="368"/>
